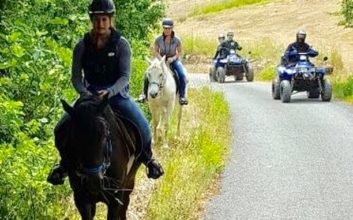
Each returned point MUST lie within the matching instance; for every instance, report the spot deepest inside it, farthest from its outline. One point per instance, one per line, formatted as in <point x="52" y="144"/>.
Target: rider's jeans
<point x="181" y="71"/>
<point x="130" y="110"/>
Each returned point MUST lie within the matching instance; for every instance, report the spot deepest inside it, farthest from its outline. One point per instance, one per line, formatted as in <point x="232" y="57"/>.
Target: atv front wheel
<point x="221" y="74"/>
<point x="276" y="89"/>
<point x="250" y="74"/>
<point x="286" y="91"/>
<point x="212" y="74"/>
<point x="326" y="93"/>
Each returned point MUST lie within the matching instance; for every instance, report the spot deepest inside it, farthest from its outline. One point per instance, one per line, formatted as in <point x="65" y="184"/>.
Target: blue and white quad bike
<point x="232" y="65"/>
<point x="302" y="76"/>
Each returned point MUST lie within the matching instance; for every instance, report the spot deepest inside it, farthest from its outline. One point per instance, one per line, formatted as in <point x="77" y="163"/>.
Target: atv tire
<point x="326" y="93"/>
<point x="250" y="74"/>
<point x="276" y="89"/>
<point x="221" y="74"/>
<point x="286" y="91"/>
<point x="314" y="93"/>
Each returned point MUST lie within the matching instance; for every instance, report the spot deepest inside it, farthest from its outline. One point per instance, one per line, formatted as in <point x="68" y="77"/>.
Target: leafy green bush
<point x="35" y="62"/>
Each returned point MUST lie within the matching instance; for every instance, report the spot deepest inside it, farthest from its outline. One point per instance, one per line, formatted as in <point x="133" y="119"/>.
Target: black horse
<point x="103" y="152"/>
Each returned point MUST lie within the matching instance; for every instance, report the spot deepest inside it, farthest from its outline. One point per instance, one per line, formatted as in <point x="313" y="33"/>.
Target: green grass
<point x="194" y="160"/>
<point x="199" y="46"/>
<point x="267" y="73"/>
<point x="226" y="4"/>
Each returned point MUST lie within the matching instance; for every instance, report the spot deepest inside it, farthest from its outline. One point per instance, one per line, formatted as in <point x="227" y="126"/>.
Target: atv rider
<point x="290" y="56"/>
<point x="221" y="39"/>
<point x="229" y="44"/>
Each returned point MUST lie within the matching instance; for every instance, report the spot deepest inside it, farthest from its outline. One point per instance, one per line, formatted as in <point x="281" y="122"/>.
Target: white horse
<point x="161" y="98"/>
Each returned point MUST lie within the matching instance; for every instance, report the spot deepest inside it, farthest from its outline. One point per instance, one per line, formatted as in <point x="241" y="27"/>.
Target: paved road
<point x="288" y="161"/>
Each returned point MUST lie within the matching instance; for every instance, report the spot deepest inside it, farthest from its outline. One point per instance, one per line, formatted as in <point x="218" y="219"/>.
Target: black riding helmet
<point x="167" y="23"/>
<point x="105" y="7"/>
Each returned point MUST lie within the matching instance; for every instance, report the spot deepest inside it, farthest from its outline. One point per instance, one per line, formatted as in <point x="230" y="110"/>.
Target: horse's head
<point x="156" y="75"/>
<point x="90" y="139"/>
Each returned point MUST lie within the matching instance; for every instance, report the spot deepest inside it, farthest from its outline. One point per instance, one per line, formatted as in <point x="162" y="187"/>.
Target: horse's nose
<point x="153" y="95"/>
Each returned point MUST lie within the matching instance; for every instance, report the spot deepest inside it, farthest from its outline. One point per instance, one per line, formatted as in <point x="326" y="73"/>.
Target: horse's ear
<point x="104" y="103"/>
<point x="67" y="107"/>
<point x="148" y="60"/>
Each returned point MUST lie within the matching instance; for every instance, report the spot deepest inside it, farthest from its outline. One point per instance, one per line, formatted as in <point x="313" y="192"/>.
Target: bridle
<point x="102" y="168"/>
<point x="160" y="83"/>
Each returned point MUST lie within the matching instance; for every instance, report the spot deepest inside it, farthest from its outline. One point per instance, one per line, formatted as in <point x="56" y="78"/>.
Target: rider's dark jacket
<point x="107" y="68"/>
<point x="298" y="47"/>
<point x="224" y="48"/>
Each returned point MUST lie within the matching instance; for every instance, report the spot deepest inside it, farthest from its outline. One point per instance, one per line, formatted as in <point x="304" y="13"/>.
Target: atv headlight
<point x="290" y="71"/>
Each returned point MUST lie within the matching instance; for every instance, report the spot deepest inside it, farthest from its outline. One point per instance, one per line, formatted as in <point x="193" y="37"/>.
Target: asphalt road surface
<point x="288" y="161"/>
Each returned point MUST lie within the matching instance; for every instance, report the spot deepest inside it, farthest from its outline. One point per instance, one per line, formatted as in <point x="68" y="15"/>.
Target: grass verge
<point x="194" y="160"/>
<point x="226" y="4"/>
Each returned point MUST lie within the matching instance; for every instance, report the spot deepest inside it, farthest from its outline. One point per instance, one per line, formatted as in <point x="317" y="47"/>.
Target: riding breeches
<point x="181" y="71"/>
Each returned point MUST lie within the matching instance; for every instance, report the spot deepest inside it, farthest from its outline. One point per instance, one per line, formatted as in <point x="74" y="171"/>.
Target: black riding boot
<point x="59" y="172"/>
<point x="154" y="169"/>
<point x="57" y="175"/>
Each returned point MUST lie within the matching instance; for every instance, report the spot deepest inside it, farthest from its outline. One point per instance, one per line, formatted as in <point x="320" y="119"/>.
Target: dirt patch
<point x="279" y="21"/>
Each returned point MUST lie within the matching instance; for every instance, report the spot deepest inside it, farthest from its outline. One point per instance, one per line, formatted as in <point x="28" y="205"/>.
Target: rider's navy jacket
<point x="106" y="68"/>
<point x="226" y="46"/>
<point x="301" y="47"/>
<point x="298" y="47"/>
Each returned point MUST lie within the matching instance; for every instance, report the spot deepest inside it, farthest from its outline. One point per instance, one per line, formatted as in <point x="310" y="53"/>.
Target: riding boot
<point x="57" y="175"/>
<point x="143" y="97"/>
<point x="182" y="99"/>
<point x="154" y="169"/>
<point x="59" y="171"/>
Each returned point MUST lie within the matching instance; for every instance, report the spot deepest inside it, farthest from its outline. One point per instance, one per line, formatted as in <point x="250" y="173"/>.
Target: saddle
<point x="123" y="124"/>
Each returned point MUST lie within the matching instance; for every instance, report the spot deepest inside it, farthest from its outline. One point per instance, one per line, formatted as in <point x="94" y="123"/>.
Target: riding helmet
<point x="301" y="34"/>
<point x="105" y="7"/>
<point x="167" y="23"/>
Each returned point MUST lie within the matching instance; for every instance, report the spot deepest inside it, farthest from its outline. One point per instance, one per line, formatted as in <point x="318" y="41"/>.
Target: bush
<point x="35" y="63"/>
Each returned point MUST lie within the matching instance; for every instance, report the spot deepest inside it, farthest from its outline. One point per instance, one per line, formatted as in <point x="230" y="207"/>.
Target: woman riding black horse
<point x="105" y="58"/>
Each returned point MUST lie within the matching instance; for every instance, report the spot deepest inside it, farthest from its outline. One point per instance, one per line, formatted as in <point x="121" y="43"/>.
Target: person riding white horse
<point x="161" y="92"/>
<point x="169" y="45"/>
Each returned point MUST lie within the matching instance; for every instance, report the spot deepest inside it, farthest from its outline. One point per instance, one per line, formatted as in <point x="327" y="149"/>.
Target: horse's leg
<point x="167" y="116"/>
<point x="114" y="211"/>
<point x="87" y="210"/>
<point x="155" y="120"/>
<point x="180" y="112"/>
<point x="126" y="198"/>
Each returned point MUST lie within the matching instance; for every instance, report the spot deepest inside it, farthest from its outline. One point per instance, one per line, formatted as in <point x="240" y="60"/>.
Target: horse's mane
<point x="88" y="109"/>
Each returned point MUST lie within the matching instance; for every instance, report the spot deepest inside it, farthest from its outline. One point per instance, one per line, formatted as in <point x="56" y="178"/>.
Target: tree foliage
<point x="36" y="41"/>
